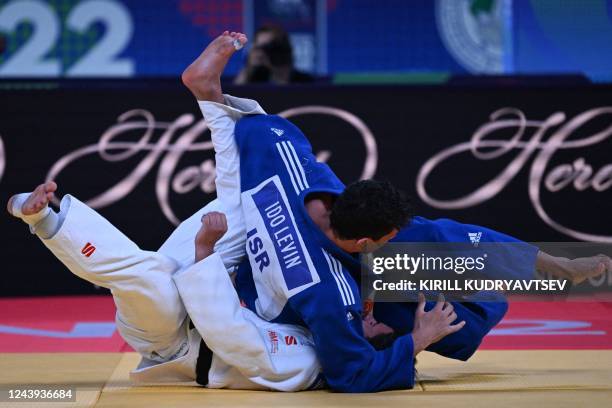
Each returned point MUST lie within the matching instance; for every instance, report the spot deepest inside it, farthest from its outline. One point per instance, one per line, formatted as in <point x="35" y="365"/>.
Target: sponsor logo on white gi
<point x="475" y="237"/>
<point x="291" y="341"/>
<point x="293" y="166"/>
<point x="273" y="337"/>
<point x="279" y="132"/>
<point x="571" y="134"/>
<point x="88" y="250"/>
<point x="181" y="351"/>
<point x="346" y="293"/>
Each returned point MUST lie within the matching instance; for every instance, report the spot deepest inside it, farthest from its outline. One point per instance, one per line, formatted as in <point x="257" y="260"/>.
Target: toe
<point x="601" y="268"/>
<point x="9" y="205"/>
<point x="50" y="186"/>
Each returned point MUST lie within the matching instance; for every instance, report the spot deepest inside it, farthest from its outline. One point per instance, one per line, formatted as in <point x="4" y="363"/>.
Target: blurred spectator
<point x="270" y="60"/>
<point x="2" y="44"/>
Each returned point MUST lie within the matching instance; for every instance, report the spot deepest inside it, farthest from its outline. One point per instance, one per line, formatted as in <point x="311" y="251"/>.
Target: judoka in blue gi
<point x="177" y="306"/>
<point x="303" y="225"/>
<point x="303" y="228"/>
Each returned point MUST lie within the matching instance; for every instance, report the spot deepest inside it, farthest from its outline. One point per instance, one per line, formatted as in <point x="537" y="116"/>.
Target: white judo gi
<point x="158" y="293"/>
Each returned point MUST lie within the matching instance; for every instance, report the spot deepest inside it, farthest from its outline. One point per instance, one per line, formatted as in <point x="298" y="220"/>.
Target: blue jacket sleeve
<point x="508" y="257"/>
<point x="349" y="362"/>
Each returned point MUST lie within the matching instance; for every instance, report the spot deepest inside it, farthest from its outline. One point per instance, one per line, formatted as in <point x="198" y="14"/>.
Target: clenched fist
<point x="214" y="226"/>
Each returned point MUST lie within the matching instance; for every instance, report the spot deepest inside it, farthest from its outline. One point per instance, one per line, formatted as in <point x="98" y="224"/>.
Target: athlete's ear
<point x="364" y="244"/>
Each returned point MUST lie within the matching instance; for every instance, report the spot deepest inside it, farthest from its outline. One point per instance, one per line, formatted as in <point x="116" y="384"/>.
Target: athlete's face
<point x="372" y="328"/>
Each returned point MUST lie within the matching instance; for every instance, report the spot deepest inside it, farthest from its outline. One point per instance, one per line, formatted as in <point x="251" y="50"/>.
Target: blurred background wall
<point x="399" y="40"/>
<point x="491" y="112"/>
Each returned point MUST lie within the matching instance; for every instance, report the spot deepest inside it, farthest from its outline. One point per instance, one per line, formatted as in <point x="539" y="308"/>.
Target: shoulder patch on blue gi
<point x="293" y="165"/>
<point x="278" y="132"/>
<point x="474" y="237"/>
<point x="335" y="267"/>
<point x="282" y="266"/>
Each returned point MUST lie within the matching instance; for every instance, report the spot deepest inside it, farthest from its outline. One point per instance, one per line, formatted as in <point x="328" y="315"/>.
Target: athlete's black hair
<point x="369" y="209"/>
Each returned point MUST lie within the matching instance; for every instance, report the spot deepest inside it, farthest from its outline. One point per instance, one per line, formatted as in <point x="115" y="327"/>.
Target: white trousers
<point x="154" y="291"/>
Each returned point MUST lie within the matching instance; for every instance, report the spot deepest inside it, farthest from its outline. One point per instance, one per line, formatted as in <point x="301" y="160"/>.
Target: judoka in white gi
<point x="158" y="294"/>
<point x="155" y="291"/>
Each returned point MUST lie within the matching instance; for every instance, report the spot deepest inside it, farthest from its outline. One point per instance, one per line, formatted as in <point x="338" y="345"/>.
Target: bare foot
<point x="580" y="269"/>
<point x="203" y="76"/>
<point x="576" y="270"/>
<point x="38" y="200"/>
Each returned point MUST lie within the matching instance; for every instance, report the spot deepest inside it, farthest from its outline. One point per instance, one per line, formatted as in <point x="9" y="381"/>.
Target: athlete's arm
<point x="349" y="362"/>
<point x="214" y="308"/>
<point x="433" y="325"/>
<point x="517" y="260"/>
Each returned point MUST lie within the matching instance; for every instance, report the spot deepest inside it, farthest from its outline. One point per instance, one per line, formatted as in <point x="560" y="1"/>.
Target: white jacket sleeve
<point x="275" y="356"/>
<point x="214" y="308"/>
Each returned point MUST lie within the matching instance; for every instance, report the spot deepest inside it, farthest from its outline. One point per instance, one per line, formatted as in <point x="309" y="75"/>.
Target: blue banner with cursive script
<point x="530" y="162"/>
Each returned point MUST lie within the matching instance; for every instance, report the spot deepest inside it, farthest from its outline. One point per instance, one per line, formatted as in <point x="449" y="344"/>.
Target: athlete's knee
<point x="480" y="318"/>
<point x="496" y="312"/>
<point x="484" y="316"/>
<point x="147" y="315"/>
<point x="157" y="342"/>
<point x="149" y="301"/>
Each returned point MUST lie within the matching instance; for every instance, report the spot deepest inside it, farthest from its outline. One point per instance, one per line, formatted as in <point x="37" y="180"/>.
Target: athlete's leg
<point x="512" y="258"/>
<point x="150" y="315"/>
<point x="206" y="290"/>
<point x="221" y="112"/>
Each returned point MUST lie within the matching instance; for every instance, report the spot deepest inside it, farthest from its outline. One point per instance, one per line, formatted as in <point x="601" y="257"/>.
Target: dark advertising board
<point x="532" y="162"/>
